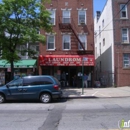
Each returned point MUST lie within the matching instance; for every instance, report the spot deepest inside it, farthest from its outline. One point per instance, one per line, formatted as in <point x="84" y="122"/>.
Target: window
<point x="50" y="42"/>
<point x="47" y="80"/>
<point x="123" y="12"/>
<point x="100" y="48"/>
<point x="125" y="35"/>
<point x="102" y="23"/>
<point x="81" y="17"/>
<point x="22" y="49"/>
<point x="52" y="16"/>
<point x="66" y="16"/>
<point x="17" y="82"/>
<point x="66" y="42"/>
<point x="126" y="60"/>
<point x="34" y="47"/>
<point x="99" y="31"/>
<point x="83" y="40"/>
<point x="104" y="42"/>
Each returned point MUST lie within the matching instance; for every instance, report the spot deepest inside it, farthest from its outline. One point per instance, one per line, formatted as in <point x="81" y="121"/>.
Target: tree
<point x="20" y="20"/>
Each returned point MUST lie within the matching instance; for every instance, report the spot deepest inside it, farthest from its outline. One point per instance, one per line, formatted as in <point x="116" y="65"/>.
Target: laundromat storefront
<point x="64" y="67"/>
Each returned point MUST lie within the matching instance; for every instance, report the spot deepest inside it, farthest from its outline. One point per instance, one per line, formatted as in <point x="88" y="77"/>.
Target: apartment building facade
<point x="112" y="45"/>
<point x="69" y="49"/>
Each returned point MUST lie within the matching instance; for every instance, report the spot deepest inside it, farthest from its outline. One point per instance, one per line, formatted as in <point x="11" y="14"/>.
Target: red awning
<point x="66" y="60"/>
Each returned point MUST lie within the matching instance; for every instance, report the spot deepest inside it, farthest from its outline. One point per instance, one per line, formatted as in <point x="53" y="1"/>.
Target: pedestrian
<point x="85" y="80"/>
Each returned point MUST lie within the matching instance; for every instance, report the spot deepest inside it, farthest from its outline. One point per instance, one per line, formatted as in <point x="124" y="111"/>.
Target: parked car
<point x="42" y="87"/>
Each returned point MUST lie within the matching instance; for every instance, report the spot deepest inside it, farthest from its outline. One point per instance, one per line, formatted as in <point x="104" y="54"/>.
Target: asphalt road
<point x="70" y="114"/>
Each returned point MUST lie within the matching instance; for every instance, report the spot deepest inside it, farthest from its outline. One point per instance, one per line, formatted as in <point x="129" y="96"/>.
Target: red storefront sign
<point x="66" y="60"/>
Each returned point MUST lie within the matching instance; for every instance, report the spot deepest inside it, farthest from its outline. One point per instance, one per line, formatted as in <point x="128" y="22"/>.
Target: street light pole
<point x="82" y="76"/>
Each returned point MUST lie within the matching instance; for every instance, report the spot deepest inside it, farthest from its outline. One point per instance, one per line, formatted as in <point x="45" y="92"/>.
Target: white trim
<point x="66" y="9"/>
<point x="66" y="33"/>
<point x="85" y="22"/>
<point x="47" y="43"/>
<point x="50" y="33"/>
<point x="82" y="9"/>
<point x="51" y="9"/>
<point x="69" y="42"/>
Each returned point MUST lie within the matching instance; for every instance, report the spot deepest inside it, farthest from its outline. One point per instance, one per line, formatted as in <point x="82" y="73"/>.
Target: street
<point x="66" y="114"/>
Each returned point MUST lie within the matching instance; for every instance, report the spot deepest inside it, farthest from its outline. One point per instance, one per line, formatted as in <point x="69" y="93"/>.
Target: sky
<point x="99" y="5"/>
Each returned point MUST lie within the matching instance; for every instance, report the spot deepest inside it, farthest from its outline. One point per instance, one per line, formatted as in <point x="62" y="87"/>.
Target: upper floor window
<point x="22" y="49"/>
<point x="99" y="31"/>
<point x="126" y="60"/>
<point x="52" y="16"/>
<point x="50" y="42"/>
<point x="66" y="16"/>
<point x="66" y="42"/>
<point x="125" y="35"/>
<point x="103" y="23"/>
<point x="34" y="47"/>
<point x="123" y="12"/>
<point x="83" y="39"/>
<point x="100" y="48"/>
<point x="81" y="16"/>
<point x="104" y="42"/>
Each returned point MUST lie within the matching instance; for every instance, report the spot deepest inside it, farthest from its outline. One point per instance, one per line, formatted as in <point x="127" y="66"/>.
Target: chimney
<point x="98" y="15"/>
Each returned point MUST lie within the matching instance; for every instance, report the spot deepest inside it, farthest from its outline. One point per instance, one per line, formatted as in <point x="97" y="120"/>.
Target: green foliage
<point x="20" y="21"/>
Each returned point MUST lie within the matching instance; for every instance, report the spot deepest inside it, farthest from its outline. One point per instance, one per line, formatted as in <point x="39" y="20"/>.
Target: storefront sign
<point x="66" y="60"/>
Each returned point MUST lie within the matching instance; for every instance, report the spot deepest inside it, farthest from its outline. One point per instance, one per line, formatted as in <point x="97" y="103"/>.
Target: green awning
<point x="30" y="63"/>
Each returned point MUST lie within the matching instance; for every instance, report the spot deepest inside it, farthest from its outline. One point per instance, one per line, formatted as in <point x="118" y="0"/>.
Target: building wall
<point x="104" y="51"/>
<point x="111" y="57"/>
<point x="122" y="74"/>
<point x="73" y="5"/>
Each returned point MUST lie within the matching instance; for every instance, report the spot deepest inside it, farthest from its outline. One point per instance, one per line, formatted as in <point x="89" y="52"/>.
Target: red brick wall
<point x="73" y="4"/>
<point x="122" y="74"/>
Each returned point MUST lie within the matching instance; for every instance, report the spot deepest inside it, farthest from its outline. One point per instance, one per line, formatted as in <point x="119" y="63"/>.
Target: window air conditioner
<point x="82" y="21"/>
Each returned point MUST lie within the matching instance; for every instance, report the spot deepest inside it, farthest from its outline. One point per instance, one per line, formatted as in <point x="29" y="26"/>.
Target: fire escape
<point x="69" y="26"/>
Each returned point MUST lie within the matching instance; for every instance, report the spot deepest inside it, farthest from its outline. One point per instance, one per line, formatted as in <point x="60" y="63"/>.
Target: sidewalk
<point x="96" y="92"/>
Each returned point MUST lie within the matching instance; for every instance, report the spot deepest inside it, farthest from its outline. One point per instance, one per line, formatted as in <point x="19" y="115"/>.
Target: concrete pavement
<point x="96" y="92"/>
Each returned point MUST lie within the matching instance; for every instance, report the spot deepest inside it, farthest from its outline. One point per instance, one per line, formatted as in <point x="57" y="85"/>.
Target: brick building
<point x="69" y="50"/>
<point x="112" y="45"/>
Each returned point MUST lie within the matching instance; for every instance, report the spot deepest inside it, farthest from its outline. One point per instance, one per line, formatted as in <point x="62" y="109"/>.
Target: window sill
<point x="124" y="18"/>
<point x="51" y="50"/>
<point x="81" y="24"/>
<point x="126" y="68"/>
<point x="66" y="49"/>
<point x="125" y="43"/>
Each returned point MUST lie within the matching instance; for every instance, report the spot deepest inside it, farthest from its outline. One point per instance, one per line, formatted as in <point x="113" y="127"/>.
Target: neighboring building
<point x="27" y="65"/>
<point x="112" y="45"/>
<point x="71" y="43"/>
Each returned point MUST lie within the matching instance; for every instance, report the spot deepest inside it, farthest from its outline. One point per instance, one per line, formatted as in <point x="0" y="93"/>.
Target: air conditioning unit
<point x="125" y="42"/>
<point x="82" y="21"/>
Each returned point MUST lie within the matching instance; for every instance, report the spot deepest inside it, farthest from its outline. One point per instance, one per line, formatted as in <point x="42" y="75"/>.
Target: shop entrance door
<point x="71" y="75"/>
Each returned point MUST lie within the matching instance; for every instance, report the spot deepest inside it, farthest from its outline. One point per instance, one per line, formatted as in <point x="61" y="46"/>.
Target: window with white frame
<point x="50" y="42"/>
<point x="66" y="16"/>
<point x="125" y="35"/>
<point x="81" y="16"/>
<point x="52" y="16"/>
<point x="66" y="42"/>
<point x="126" y="60"/>
<point x="123" y="12"/>
<point x="83" y="39"/>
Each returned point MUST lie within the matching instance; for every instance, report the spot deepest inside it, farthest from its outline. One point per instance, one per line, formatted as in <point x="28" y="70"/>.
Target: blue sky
<point x="98" y="5"/>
